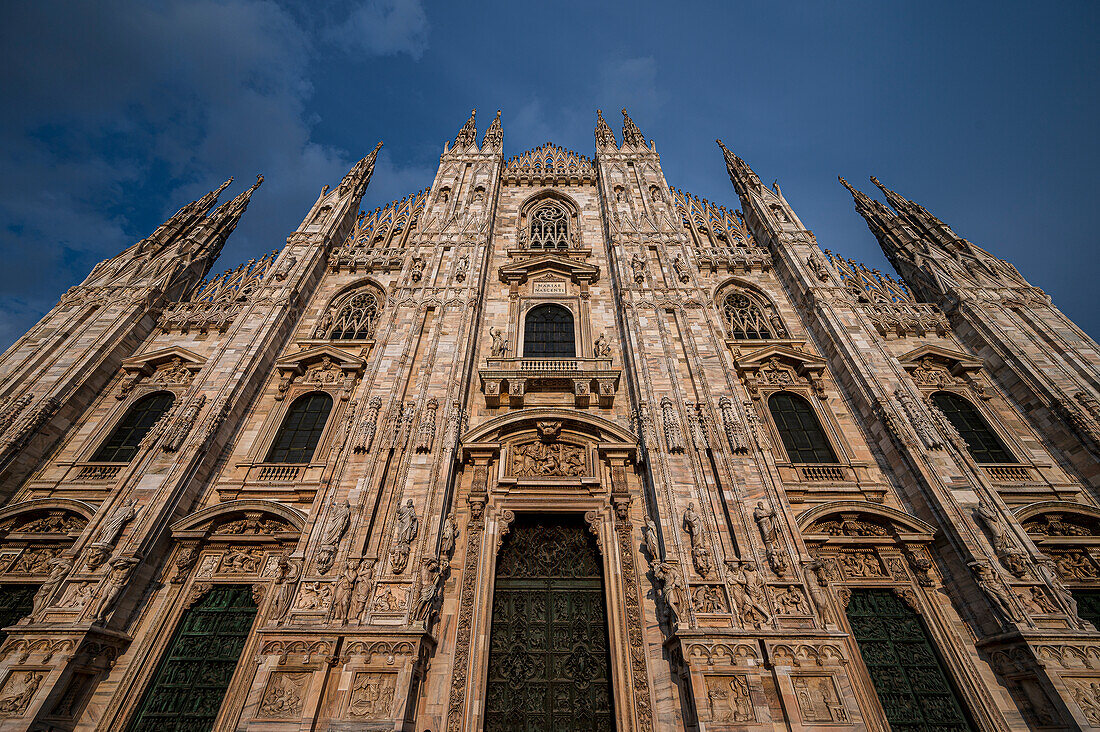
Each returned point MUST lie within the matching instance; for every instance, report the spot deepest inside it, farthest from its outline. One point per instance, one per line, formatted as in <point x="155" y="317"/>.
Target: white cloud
<point x="384" y="28"/>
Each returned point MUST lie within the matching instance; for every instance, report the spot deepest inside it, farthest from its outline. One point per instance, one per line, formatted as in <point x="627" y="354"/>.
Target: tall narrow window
<point x="748" y="319"/>
<point x="549" y="226"/>
<point x="301" y="429"/>
<point x="122" y="444"/>
<point x="802" y="435"/>
<point x="190" y="683"/>
<point x="548" y="332"/>
<point x="981" y="440"/>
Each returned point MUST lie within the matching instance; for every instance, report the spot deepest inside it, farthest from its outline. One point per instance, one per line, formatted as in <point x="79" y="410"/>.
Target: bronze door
<point x="909" y="678"/>
<point x="549" y="662"/>
<point x="192" y="678"/>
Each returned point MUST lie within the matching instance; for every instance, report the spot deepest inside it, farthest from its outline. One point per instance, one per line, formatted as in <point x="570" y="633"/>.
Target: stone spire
<point x="631" y="134"/>
<point x="494" y="136"/>
<point x="467" y="136"/>
<point x="741" y="175"/>
<point x="604" y="136"/>
<point x="359" y="176"/>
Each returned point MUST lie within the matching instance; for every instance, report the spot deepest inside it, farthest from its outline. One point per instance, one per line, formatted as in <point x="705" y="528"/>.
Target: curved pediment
<point x="862" y="520"/>
<point x="246" y="518"/>
<point x="593" y="427"/>
<point x="1059" y="521"/>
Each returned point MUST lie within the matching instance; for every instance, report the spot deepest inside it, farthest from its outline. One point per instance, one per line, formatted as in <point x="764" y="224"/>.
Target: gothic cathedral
<point x="551" y="445"/>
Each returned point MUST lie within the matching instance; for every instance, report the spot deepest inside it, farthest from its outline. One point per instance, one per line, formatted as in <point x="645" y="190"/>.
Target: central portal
<point x="549" y="661"/>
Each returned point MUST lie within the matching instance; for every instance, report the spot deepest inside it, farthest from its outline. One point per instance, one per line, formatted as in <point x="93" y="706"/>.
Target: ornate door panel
<point x="1088" y="605"/>
<point x="549" y="662"/>
<point x="909" y="678"/>
<point x="190" y="682"/>
<point x="16" y="602"/>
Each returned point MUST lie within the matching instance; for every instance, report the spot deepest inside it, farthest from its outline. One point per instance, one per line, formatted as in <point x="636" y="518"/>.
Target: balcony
<point x="509" y="380"/>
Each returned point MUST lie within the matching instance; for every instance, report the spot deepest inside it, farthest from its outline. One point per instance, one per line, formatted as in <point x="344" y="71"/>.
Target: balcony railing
<point x="100" y="472"/>
<point x="514" y="377"/>
<point x="823" y="473"/>
<point x="1009" y="473"/>
<point x="278" y="473"/>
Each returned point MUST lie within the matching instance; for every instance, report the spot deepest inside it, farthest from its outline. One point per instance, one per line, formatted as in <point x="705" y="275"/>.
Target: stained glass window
<point x="122" y="444"/>
<point x="356" y="317"/>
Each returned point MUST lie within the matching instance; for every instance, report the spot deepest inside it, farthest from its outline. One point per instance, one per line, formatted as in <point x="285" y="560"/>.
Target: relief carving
<point x="818" y="700"/>
<point x="747" y="594"/>
<point x="283" y="696"/>
<point x="18" y="690"/>
<point x="556" y="459"/>
<point x="728" y="699"/>
<point x="372" y="695"/>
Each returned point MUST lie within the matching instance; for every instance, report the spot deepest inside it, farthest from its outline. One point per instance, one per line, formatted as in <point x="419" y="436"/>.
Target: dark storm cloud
<point x="119" y="112"/>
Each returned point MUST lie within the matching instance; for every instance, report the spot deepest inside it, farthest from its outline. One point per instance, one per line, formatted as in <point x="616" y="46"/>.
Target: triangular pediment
<point x="303" y="359"/>
<point x="953" y="360"/>
<point x="579" y="272"/>
<point x="800" y="360"/>
<point x="148" y="362"/>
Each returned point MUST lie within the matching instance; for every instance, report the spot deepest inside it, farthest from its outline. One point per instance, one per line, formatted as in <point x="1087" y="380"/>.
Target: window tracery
<point x="352" y="317"/>
<point x="750" y="319"/>
<point x="549" y="228"/>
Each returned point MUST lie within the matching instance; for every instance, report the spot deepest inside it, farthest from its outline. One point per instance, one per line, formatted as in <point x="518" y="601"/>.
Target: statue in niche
<point x="335" y="526"/>
<point x="499" y="346"/>
<point x="59" y="567"/>
<point x="651" y="544"/>
<point x="450" y="535"/>
<point x="406" y="527"/>
<point x="343" y="592"/>
<point x="700" y="556"/>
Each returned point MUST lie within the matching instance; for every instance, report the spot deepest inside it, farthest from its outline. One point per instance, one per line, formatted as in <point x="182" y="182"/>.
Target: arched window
<point x="802" y="434"/>
<point x="301" y="429"/>
<point x="352" y="317"/>
<point x="123" y="442"/>
<point x="981" y="440"/>
<point x="748" y="319"/>
<point x="549" y="226"/>
<point x="548" y="332"/>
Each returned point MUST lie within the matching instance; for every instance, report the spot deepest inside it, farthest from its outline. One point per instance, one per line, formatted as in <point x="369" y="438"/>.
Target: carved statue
<point x="1009" y="556"/>
<point x="815" y="583"/>
<point x="747" y="593"/>
<point x="602" y="347"/>
<point x="765" y="519"/>
<point x="113" y="585"/>
<point x="673" y="590"/>
<point x="1004" y="604"/>
<point x="430" y="576"/>
<point x="699" y="554"/>
<point x="450" y="534"/>
<point x="59" y="567"/>
<point x="361" y="594"/>
<point x="499" y="346"/>
<point x="335" y="526"/>
<point x="638" y="265"/>
<point x="406" y="527"/>
<point x="651" y="544"/>
<point x="286" y="577"/>
<point x="118" y="518"/>
<point x="343" y="591"/>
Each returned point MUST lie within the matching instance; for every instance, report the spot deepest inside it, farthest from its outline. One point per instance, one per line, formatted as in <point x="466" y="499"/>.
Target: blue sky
<point x="118" y="112"/>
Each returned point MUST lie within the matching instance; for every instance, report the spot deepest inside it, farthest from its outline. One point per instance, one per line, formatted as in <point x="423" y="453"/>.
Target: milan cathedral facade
<point x="551" y="445"/>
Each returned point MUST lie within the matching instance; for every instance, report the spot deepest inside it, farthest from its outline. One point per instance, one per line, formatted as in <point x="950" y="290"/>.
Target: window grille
<point x="745" y="318"/>
<point x="549" y="227"/>
<point x="301" y="429"/>
<point x="122" y="444"/>
<point x="548" y="332"/>
<point x="982" y="442"/>
<point x="802" y="435"/>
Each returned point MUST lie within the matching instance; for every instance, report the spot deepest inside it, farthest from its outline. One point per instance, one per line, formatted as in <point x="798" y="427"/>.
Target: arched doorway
<point x="549" y="659"/>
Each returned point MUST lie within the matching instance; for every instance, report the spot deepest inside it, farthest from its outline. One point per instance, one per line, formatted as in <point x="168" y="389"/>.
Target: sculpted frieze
<point x="541" y="459"/>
